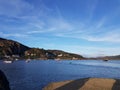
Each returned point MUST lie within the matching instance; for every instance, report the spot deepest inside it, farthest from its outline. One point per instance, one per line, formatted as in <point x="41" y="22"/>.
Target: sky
<point x="87" y="27"/>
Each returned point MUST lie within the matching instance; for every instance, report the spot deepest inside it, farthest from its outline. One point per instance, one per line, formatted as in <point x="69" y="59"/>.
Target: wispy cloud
<point x="34" y="19"/>
<point x="5" y="35"/>
<point x="92" y="51"/>
<point x="105" y="35"/>
<point x="98" y="31"/>
<point x="21" y="18"/>
<point x="109" y="36"/>
<point x="100" y="23"/>
<point x="14" y="8"/>
<point x="92" y="5"/>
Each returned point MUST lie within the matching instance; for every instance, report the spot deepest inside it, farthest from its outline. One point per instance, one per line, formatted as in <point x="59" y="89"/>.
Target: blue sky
<point x="86" y="27"/>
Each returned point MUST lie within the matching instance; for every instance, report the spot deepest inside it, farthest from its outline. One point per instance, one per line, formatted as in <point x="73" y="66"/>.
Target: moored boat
<point x="8" y="61"/>
<point x="28" y="60"/>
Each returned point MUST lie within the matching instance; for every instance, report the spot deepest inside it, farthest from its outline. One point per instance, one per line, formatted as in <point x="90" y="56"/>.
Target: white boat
<point x="28" y="60"/>
<point x="16" y="59"/>
<point x="8" y="61"/>
<point x="57" y="59"/>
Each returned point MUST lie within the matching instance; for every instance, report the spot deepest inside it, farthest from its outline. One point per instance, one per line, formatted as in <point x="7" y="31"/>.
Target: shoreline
<point x="85" y="84"/>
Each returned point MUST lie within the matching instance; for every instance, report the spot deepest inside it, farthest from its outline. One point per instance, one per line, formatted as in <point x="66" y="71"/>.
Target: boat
<point x="105" y="59"/>
<point x="57" y="59"/>
<point x="28" y="60"/>
<point x="16" y="59"/>
<point x="8" y="61"/>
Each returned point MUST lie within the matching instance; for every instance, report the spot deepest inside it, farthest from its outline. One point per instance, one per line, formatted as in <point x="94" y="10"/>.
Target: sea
<point x="36" y="74"/>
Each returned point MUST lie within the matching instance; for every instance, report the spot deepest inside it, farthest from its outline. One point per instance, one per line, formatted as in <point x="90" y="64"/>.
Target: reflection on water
<point x="36" y="74"/>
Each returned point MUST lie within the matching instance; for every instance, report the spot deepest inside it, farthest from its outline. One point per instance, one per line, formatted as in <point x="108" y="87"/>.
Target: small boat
<point x="105" y="60"/>
<point x="8" y="61"/>
<point x="27" y="61"/>
<point x="58" y="59"/>
<point x="16" y="59"/>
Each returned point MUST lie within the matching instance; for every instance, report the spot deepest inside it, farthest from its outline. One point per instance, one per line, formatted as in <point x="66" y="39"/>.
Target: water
<point x="36" y="74"/>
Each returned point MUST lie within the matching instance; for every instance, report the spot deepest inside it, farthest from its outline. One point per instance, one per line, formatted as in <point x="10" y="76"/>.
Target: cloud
<point x="14" y="8"/>
<point x="92" y="51"/>
<point x="60" y="24"/>
<point x="92" y="5"/>
<point x="101" y="22"/>
<point x="112" y="37"/>
<point x="109" y="36"/>
<point x="39" y="20"/>
<point x="94" y="36"/>
<point x="40" y="31"/>
<point x="22" y="9"/>
<point x="24" y="16"/>
<point x="13" y="35"/>
<point x="99" y="31"/>
<point x="23" y="19"/>
<point x="53" y="25"/>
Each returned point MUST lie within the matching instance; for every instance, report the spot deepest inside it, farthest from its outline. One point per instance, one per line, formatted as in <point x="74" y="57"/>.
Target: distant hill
<point x="12" y="48"/>
<point x="65" y="55"/>
<point x="117" y="57"/>
<point x="37" y="53"/>
<point x="50" y="54"/>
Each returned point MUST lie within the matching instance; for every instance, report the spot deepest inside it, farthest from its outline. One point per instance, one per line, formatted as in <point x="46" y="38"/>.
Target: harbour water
<point x="38" y="73"/>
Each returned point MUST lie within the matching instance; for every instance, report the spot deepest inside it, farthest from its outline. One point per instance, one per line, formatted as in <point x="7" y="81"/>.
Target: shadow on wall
<point x="4" y="84"/>
<point x="74" y="85"/>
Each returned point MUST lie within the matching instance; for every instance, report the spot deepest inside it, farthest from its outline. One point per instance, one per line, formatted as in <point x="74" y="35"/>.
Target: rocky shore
<point x="85" y="84"/>
<point x="4" y="84"/>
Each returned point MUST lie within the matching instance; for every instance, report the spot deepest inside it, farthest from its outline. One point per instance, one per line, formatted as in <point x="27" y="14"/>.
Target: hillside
<point x="65" y="55"/>
<point x="11" y="49"/>
<point x="117" y="57"/>
<point x="50" y="54"/>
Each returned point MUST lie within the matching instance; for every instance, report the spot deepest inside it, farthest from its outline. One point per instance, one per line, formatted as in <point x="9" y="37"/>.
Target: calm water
<point x="36" y="74"/>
